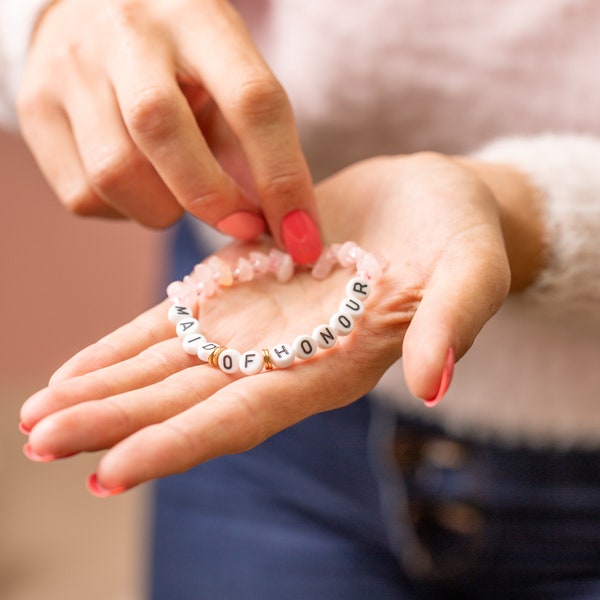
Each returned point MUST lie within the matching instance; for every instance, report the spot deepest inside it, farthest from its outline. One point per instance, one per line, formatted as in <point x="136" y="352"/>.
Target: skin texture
<point x="149" y="108"/>
<point x="451" y="236"/>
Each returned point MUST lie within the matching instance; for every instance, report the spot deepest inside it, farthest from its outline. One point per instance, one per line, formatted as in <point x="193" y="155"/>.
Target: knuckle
<point x="205" y="203"/>
<point x="107" y="171"/>
<point x="153" y="111"/>
<point x="81" y="201"/>
<point x="283" y="185"/>
<point x="259" y="96"/>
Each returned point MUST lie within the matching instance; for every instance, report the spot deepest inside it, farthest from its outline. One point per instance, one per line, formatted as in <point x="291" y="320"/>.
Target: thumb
<point x="462" y="295"/>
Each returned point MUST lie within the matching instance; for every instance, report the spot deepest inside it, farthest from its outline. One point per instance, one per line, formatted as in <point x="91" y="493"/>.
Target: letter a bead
<point x="187" y="326"/>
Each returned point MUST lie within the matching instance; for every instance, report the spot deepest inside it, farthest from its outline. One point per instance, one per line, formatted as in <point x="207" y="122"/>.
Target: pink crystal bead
<point x="324" y="264"/>
<point x="369" y="264"/>
<point x="281" y="265"/>
<point x="244" y="271"/>
<point x="259" y="262"/>
<point x="349" y="253"/>
<point x="207" y="289"/>
<point x="176" y="291"/>
<point x="201" y="273"/>
<point x="221" y="271"/>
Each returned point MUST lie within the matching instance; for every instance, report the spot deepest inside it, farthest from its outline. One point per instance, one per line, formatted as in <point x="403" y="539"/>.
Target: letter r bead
<point x="358" y="288"/>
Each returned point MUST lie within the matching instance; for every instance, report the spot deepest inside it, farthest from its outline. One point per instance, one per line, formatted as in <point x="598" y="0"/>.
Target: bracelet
<point x="212" y="274"/>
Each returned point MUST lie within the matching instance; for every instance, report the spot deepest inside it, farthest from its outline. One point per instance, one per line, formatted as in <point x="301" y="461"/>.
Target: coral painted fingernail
<point x="24" y="429"/>
<point x="242" y="225"/>
<point x="301" y="237"/>
<point x="98" y="490"/>
<point x="31" y="454"/>
<point x="446" y="379"/>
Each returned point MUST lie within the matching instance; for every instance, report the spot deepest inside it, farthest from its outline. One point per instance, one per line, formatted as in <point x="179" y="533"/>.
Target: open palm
<point x="161" y="411"/>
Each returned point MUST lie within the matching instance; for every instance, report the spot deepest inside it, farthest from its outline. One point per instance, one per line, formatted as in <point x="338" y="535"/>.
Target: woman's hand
<point x="146" y="108"/>
<point x="161" y="412"/>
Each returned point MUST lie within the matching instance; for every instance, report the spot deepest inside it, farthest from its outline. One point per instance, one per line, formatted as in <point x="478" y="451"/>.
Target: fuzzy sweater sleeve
<point x="566" y="170"/>
<point x="17" y="19"/>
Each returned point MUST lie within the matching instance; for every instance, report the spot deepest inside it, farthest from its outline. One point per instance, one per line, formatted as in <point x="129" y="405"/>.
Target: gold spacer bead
<point x="267" y="359"/>
<point x="213" y="357"/>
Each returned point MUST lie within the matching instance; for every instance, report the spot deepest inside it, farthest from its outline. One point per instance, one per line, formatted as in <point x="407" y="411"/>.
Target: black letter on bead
<point x="281" y="352"/>
<point x="352" y="304"/>
<point x="328" y="336"/>
<point x="185" y="325"/>
<point x="359" y="287"/>
<point x="344" y="321"/>
<point x="195" y="339"/>
<point x="249" y="358"/>
<point x="183" y="310"/>
<point x="227" y="362"/>
<point x="209" y="346"/>
<point x="304" y="344"/>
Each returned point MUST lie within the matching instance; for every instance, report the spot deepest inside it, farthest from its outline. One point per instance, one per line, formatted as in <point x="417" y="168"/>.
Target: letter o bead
<point x="304" y="347"/>
<point x="229" y="360"/>
<point x="342" y="323"/>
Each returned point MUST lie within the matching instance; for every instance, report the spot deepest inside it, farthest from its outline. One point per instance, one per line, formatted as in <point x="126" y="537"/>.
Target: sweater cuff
<point x="17" y="20"/>
<point x="565" y="169"/>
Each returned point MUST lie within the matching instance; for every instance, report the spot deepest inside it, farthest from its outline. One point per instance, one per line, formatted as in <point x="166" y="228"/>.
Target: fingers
<point x="258" y="111"/>
<point x="466" y="289"/>
<point x="234" y="419"/>
<point x="117" y="172"/>
<point x="129" y="340"/>
<point x="150" y="366"/>
<point x="140" y="396"/>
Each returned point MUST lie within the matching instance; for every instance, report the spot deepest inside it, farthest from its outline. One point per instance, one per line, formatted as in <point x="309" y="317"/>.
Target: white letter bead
<point x="304" y="347"/>
<point x="251" y="362"/>
<point x="191" y="343"/>
<point x="187" y="326"/>
<point x="325" y="336"/>
<point x="358" y="288"/>
<point x="342" y="323"/>
<point x="229" y="360"/>
<point x="177" y="312"/>
<point x="282" y="356"/>
<point x="352" y="307"/>
<point x="205" y="349"/>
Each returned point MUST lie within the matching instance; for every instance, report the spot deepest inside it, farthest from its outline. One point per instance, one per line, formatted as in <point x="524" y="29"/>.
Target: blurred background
<point x="65" y="282"/>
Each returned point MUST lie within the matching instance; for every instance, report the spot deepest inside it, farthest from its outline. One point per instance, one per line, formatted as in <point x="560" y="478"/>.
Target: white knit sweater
<point x="509" y="81"/>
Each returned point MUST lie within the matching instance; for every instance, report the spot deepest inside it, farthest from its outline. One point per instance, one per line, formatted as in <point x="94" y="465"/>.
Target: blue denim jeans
<point x="361" y="504"/>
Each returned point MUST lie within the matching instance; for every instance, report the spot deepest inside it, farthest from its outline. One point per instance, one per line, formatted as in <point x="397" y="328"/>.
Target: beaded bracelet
<point x="210" y="275"/>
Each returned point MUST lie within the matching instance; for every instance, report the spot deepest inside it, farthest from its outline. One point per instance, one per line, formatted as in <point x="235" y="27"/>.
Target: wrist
<point x="520" y="207"/>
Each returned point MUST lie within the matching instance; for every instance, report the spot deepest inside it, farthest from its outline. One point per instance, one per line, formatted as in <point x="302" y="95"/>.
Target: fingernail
<point x="301" y="237"/>
<point x="98" y="490"/>
<point x="446" y="379"/>
<point x="242" y="225"/>
<point x="24" y="429"/>
<point x="31" y="454"/>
